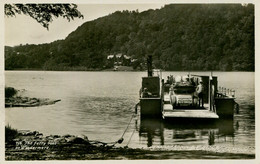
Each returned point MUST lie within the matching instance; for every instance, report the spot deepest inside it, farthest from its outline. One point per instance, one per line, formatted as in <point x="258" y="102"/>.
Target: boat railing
<point x="225" y="92"/>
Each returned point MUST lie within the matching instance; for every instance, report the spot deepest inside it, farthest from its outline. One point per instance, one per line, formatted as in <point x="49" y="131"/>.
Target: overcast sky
<point x="23" y="29"/>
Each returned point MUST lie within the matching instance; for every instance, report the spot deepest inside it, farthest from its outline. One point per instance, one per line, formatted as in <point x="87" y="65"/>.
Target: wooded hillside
<point x="180" y="37"/>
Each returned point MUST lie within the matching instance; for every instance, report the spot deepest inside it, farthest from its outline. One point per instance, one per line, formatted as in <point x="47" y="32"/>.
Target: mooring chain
<point x="130" y="137"/>
<point x="122" y="139"/>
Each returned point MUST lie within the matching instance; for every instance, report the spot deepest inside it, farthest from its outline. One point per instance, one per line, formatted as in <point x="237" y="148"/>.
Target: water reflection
<point x="211" y="137"/>
<point x="226" y="127"/>
<point x="159" y="132"/>
<point x="150" y="129"/>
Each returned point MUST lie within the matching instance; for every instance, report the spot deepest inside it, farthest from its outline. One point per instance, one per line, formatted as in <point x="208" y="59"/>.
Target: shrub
<point x="10" y="134"/>
<point x="10" y="92"/>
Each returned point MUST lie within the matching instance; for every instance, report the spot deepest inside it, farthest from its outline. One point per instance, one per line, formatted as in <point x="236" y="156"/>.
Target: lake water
<point x="100" y="105"/>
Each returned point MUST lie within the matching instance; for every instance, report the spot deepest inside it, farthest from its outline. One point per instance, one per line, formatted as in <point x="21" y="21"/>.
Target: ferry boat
<point x="176" y="98"/>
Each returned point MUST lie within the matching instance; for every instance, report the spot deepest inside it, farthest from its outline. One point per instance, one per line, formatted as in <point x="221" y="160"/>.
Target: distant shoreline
<point x="111" y="70"/>
<point x="120" y="68"/>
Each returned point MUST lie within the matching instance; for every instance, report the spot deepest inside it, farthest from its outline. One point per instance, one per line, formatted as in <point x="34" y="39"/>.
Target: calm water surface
<point x="100" y="105"/>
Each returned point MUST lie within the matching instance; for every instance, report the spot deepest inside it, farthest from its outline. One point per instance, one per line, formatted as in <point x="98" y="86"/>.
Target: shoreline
<point x="32" y="145"/>
<point x="18" y="101"/>
<point x="14" y="98"/>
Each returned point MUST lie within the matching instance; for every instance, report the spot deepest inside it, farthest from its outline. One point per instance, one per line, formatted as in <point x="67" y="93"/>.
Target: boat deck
<point x="169" y="112"/>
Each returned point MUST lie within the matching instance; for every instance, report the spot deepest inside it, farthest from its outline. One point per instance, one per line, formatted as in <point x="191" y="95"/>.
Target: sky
<point x="22" y="29"/>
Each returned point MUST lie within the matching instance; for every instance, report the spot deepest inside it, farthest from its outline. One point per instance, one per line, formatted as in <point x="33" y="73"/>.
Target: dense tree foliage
<point x="180" y="37"/>
<point x="44" y="13"/>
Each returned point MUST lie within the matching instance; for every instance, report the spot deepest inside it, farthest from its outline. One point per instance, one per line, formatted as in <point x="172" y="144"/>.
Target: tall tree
<point x="44" y="13"/>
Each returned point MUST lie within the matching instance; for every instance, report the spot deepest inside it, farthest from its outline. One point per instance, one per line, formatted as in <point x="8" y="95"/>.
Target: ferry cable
<point x="130" y="137"/>
<point x="126" y="129"/>
<point x="122" y="139"/>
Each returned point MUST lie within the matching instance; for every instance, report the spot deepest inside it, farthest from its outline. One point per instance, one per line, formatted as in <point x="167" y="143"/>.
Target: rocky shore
<point x="29" y="145"/>
<point x="13" y="98"/>
<point x="18" y="101"/>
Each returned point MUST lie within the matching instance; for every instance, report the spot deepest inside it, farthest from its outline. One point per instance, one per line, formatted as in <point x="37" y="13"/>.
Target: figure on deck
<point x="199" y="91"/>
<point x="168" y="80"/>
<point x="146" y="94"/>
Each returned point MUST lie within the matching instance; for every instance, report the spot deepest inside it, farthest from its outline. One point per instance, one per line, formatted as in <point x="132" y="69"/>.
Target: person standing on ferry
<point x="199" y="91"/>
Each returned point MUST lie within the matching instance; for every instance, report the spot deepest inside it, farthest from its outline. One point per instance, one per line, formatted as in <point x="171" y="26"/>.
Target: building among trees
<point x="119" y="60"/>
